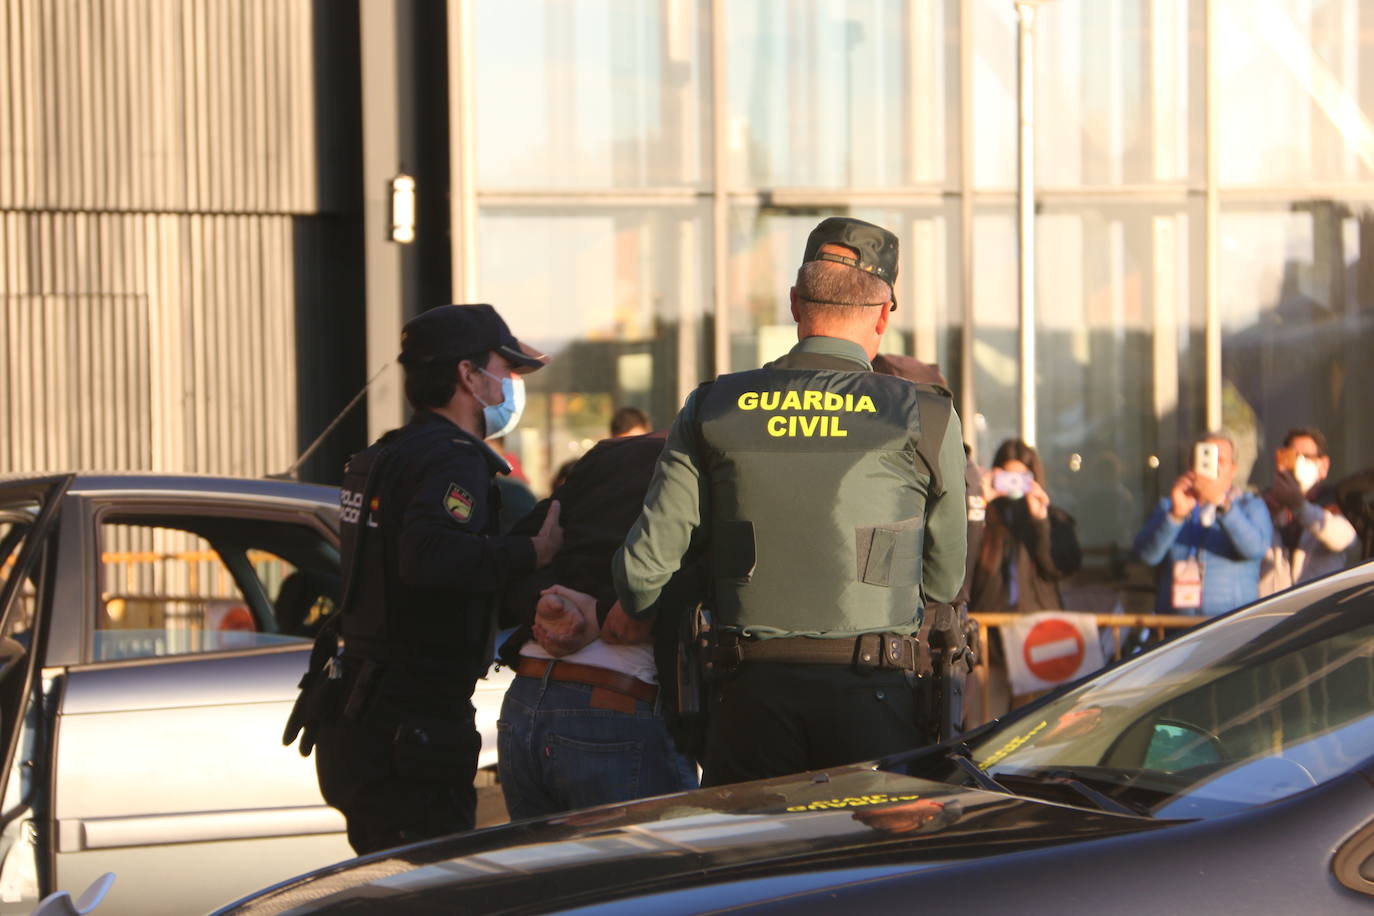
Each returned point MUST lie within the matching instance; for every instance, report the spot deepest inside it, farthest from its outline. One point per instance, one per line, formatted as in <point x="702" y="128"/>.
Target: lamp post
<point x="1025" y="209"/>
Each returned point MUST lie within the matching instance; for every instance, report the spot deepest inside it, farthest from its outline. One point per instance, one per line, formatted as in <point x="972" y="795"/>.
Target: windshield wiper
<point x="1101" y="799"/>
<point x="1070" y="780"/>
<point x="961" y="759"/>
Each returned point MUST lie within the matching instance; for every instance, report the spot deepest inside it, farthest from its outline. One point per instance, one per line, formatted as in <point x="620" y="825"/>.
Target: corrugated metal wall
<point x="153" y="157"/>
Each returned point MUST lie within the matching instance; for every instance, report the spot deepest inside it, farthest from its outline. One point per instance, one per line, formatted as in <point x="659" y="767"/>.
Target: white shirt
<point x="637" y="661"/>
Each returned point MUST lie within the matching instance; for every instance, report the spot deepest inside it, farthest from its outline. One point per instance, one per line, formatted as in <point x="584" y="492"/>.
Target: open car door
<point x="28" y="515"/>
<point x="169" y="771"/>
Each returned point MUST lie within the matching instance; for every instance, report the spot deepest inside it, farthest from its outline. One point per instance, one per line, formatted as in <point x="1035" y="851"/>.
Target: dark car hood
<point x="849" y="818"/>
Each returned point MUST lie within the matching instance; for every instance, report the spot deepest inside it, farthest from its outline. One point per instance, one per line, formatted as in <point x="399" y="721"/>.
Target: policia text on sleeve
<point x="827" y="503"/>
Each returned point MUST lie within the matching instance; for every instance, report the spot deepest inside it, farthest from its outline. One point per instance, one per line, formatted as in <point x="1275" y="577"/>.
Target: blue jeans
<point x="557" y="753"/>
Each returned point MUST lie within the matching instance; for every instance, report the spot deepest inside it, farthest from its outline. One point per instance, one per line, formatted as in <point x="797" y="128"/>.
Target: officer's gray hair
<point x="831" y="286"/>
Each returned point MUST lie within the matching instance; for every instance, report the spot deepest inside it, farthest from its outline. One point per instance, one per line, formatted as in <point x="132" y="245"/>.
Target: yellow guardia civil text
<point x="787" y="409"/>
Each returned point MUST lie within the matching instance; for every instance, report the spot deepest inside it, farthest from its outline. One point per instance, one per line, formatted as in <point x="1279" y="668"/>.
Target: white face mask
<point x="1307" y="472"/>
<point x="502" y="417"/>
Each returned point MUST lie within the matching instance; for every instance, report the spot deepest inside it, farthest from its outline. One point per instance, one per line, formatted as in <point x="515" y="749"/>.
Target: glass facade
<point x="592" y="94"/>
<point x="647" y="172"/>
<point x="838" y="93"/>
<point x="1297" y="316"/>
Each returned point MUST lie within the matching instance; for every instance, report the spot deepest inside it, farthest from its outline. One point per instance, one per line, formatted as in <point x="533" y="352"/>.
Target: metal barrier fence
<point x="1157" y="625"/>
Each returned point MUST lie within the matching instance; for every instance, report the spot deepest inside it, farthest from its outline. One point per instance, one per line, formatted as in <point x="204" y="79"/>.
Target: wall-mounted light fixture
<point x="403" y="209"/>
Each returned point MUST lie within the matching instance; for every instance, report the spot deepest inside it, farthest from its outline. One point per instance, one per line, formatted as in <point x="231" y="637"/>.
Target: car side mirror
<point x="1179" y="746"/>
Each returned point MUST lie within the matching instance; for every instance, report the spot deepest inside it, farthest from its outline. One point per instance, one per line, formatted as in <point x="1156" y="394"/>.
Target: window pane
<point x="1119" y="92"/>
<point x="1297" y="304"/>
<point x="597" y="93"/>
<point x="1120" y="365"/>
<point x="994" y="93"/>
<point x="1118" y="95"/>
<point x="16" y="522"/>
<point x="836" y="93"/>
<point x="766" y="247"/>
<point x="1296" y="82"/>
<point x="616" y="297"/>
<point x="996" y="352"/>
<point x="166" y="590"/>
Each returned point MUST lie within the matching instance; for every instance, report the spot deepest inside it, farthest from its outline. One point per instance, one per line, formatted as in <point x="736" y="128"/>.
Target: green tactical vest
<point x="817" y="497"/>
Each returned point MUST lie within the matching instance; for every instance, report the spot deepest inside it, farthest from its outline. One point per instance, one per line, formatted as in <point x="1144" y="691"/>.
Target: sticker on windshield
<point x="1011" y="746"/>
<point x="851" y="801"/>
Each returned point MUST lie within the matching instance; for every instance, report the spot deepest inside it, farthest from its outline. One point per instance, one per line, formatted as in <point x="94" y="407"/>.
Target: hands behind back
<point x="564" y="620"/>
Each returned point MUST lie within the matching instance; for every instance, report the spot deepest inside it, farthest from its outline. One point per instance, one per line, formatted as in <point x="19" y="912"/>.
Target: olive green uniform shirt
<point x="674" y="522"/>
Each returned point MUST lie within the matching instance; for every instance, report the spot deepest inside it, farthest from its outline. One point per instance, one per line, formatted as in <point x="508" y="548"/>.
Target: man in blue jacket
<point x="1210" y="538"/>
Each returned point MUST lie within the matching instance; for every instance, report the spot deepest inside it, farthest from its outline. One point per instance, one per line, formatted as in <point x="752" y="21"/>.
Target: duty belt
<point x="892" y="651"/>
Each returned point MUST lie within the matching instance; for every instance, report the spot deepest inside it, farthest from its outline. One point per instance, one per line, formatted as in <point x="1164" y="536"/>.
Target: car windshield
<point x="1249" y="709"/>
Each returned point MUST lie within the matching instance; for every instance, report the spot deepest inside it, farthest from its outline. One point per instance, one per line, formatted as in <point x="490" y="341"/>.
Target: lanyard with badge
<point x="1188" y="572"/>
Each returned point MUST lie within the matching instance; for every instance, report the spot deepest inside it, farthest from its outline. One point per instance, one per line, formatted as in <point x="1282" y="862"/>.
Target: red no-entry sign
<point x="1053" y="650"/>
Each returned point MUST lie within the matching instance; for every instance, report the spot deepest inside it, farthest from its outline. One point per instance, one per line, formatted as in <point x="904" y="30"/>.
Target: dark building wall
<point x="176" y="217"/>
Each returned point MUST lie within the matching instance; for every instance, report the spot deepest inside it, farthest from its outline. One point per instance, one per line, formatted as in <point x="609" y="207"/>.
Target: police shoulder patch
<point x="458" y="502"/>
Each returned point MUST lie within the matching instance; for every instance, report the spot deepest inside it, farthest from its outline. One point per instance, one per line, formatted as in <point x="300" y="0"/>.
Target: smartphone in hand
<point x="1015" y="484"/>
<point x="1206" y="460"/>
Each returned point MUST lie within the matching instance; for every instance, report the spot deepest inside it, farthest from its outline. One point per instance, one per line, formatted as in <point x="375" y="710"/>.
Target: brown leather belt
<point x="871" y="650"/>
<point x="589" y="675"/>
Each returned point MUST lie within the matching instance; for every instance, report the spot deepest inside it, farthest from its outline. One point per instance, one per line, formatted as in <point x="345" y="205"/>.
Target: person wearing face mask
<point x="424" y="566"/>
<point x="1311" y="536"/>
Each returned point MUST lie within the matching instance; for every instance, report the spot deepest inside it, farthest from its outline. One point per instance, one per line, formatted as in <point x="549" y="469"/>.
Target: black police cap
<point x="874" y="248"/>
<point x="453" y="332"/>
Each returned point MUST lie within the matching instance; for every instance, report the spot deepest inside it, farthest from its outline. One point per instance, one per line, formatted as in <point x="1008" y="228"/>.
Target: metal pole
<point x="1025" y="205"/>
<point x="968" y="403"/>
<point x="720" y="198"/>
<point x="463" y="152"/>
<point x="382" y="257"/>
<point x="1210" y="225"/>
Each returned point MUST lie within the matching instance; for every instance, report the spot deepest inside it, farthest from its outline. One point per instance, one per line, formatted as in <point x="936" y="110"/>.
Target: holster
<point x="693" y="661"/>
<point x="952" y="637"/>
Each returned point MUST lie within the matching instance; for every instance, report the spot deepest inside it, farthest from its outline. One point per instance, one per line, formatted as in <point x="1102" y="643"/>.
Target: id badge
<point x="1187" y="584"/>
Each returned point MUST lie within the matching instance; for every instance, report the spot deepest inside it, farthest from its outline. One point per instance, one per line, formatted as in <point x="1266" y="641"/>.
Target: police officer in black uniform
<point x="828" y="502"/>
<point x="424" y="566"/>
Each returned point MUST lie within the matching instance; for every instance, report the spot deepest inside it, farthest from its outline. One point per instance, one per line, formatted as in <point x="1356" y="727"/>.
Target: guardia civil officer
<point x="828" y="502"/>
<point x="423" y="569"/>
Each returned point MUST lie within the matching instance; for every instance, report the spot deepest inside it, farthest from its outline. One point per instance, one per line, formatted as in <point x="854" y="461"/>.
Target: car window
<point x="179" y="585"/>
<point x="16" y="521"/>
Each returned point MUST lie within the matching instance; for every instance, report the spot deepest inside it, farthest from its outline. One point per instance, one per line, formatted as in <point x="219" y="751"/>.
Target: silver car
<point x="152" y="633"/>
